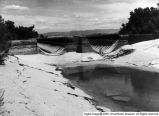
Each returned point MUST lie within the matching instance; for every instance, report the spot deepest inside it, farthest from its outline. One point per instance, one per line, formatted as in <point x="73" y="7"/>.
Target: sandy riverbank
<point x="33" y="86"/>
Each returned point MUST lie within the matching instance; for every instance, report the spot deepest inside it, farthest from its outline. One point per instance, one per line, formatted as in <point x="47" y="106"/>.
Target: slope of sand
<point x="146" y="54"/>
<point x="33" y="87"/>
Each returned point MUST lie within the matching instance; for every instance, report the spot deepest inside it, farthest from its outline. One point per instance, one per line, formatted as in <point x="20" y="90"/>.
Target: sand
<point x="146" y="54"/>
<point x="33" y="86"/>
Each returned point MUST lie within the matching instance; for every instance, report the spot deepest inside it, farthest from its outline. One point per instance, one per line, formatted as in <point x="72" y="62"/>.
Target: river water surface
<point x="118" y="88"/>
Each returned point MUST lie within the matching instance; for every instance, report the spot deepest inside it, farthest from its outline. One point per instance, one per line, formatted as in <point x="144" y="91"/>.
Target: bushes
<point x="8" y="31"/>
<point x="142" y="21"/>
<point x="20" y="32"/>
<point x="4" y="37"/>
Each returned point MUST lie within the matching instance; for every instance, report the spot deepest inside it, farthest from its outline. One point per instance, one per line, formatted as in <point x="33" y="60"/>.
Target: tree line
<point x="142" y="21"/>
<point x="20" y="32"/>
<point x="8" y="31"/>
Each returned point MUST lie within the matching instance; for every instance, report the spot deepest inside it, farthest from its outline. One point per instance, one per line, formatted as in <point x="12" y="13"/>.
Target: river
<point x="119" y="88"/>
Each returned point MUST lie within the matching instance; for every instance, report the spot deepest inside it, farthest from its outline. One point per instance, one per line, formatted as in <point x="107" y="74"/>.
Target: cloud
<point x="42" y="23"/>
<point x="112" y="1"/>
<point x="65" y="15"/>
<point x="15" y="7"/>
<point x="49" y="23"/>
<point x="120" y="12"/>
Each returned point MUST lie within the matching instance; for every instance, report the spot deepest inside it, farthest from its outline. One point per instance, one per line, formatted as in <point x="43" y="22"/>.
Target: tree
<point x="4" y="37"/>
<point x="8" y="31"/>
<point x="4" y="34"/>
<point x="20" y="32"/>
<point x="25" y="32"/>
<point x="11" y="28"/>
<point x="142" y="21"/>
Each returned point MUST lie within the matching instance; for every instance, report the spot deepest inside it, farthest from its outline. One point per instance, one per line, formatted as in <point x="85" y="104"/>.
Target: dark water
<point x="121" y="88"/>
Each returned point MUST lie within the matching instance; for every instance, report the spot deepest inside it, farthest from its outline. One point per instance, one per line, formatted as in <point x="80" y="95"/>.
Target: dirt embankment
<point x="23" y="47"/>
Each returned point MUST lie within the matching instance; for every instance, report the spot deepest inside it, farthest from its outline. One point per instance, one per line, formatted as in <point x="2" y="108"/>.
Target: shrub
<point x="4" y="37"/>
<point x="8" y="31"/>
<point x="20" y="32"/>
<point x="142" y="21"/>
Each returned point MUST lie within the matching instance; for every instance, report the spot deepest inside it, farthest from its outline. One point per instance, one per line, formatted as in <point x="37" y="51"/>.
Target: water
<point x="119" y="88"/>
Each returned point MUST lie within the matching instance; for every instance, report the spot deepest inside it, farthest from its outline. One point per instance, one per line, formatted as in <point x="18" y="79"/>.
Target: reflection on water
<point x="133" y="90"/>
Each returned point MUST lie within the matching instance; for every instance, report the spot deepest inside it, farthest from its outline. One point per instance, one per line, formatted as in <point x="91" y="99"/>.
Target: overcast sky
<point x="66" y="15"/>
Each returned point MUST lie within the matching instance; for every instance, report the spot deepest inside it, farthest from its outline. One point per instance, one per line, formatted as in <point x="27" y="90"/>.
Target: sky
<point x="67" y="15"/>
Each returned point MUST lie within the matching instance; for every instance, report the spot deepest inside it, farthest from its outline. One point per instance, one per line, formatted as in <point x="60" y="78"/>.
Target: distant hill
<point x="82" y="32"/>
